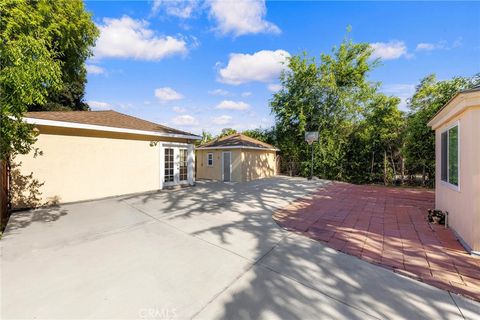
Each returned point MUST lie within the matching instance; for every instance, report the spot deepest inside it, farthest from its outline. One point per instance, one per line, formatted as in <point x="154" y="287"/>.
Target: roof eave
<point x="65" y="124"/>
<point x="237" y="147"/>
<point x="463" y="100"/>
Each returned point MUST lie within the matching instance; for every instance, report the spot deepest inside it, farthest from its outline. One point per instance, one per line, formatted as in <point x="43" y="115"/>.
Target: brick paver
<point x="388" y="227"/>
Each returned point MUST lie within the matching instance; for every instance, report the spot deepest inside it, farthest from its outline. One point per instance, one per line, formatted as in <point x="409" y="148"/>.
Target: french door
<point x="175" y="165"/>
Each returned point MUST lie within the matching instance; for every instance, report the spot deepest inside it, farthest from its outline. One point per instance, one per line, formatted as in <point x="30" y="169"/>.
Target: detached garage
<point x="236" y="158"/>
<point x="94" y="154"/>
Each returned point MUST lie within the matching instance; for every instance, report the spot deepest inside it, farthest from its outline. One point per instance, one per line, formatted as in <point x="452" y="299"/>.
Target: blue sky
<point x="212" y="64"/>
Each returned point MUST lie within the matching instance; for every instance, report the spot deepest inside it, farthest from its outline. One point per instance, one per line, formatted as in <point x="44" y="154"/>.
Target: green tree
<point x="265" y="135"/>
<point x="430" y="95"/>
<point x="33" y="59"/>
<point x="206" y="137"/>
<point x="226" y="132"/>
<point x="328" y="97"/>
<point x="72" y="34"/>
<point x="385" y="123"/>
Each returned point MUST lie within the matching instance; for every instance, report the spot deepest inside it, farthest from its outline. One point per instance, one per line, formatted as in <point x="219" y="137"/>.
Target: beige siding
<point x="208" y="172"/>
<point x="82" y="164"/>
<point x="214" y="172"/>
<point x="258" y="164"/>
<point x="463" y="205"/>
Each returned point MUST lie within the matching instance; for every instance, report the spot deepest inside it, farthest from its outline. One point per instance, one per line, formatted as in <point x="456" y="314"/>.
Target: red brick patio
<point x="388" y="227"/>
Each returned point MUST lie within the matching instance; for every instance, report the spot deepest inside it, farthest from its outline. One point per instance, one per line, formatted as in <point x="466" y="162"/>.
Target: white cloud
<point x="222" y="120"/>
<point x="167" y="94"/>
<point x="218" y="92"/>
<point x="404" y="91"/>
<point x="180" y="9"/>
<point x="440" y="45"/>
<point x="233" y="105"/>
<point x="262" y="66"/>
<point x="130" y="38"/>
<point x="246" y="94"/>
<point x="241" y="17"/>
<point x="423" y="46"/>
<point x="99" y="105"/>
<point x="93" y="69"/>
<point x="184" y="120"/>
<point x="274" y="87"/>
<point x="389" y="50"/>
<point x="179" y="109"/>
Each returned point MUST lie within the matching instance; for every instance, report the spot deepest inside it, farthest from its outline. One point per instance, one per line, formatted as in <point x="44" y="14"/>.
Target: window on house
<point x="210" y="159"/>
<point x="449" y="156"/>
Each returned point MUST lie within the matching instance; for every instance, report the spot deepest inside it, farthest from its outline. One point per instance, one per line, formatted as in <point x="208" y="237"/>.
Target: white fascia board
<point x="454" y="107"/>
<point x="65" y="124"/>
<point x="237" y="147"/>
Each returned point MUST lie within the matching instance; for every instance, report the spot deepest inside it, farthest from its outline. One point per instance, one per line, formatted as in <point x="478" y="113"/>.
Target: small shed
<point x="236" y="158"/>
<point x="457" y="162"/>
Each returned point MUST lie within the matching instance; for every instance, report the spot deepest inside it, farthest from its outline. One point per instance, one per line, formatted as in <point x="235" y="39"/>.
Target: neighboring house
<point x="236" y="158"/>
<point x="457" y="182"/>
<point x="94" y="154"/>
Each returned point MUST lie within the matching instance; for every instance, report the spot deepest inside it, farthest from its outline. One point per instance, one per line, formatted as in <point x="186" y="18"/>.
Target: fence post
<point x="3" y="194"/>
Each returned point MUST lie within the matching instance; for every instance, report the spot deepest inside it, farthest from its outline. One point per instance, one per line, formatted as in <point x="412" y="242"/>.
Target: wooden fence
<point x="3" y="195"/>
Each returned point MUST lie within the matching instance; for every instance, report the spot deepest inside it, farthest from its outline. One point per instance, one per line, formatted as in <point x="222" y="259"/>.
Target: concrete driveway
<point x="206" y="252"/>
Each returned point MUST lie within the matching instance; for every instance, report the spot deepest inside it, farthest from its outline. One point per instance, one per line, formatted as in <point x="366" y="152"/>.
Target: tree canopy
<point x="42" y="55"/>
<point x="430" y="95"/>
<point x="363" y="135"/>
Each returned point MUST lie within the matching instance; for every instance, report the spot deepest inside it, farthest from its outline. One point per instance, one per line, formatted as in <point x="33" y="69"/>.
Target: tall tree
<point x="265" y="135"/>
<point x="226" y="132"/>
<point x="430" y="95"/>
<point x="206" y="137"/>
<point x="385" y="124"/>
<point x="72" y="34"/>
<point x="328" y="97"/>
<point x="34" y="62"/>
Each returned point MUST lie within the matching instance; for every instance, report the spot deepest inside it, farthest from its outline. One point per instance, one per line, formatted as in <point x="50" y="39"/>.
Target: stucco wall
<point x="215" y="172"/>
<point x="463" y="205"/>
<point x="83" y="164"/>
<point x="258" y="164"/>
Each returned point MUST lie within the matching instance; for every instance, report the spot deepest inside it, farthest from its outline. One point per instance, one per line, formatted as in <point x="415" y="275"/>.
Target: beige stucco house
<point x="94" y="154"/>
<point x="236" y="158"/>
<point x="457" y="182"/>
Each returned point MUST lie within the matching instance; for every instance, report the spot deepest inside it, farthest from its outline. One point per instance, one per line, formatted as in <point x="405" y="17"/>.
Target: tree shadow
<point x="24" y="188"/>
<point x="298" y="281"/>
<point x="387" y="227"/>
<point x="24" y="218"/>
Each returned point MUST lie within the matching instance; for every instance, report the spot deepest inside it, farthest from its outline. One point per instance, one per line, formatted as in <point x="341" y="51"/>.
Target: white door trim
<point x="176" y="146"/>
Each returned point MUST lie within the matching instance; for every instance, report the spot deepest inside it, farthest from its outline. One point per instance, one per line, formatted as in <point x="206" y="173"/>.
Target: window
<point x="449" y="156"/>
<point x="210" y="159"/>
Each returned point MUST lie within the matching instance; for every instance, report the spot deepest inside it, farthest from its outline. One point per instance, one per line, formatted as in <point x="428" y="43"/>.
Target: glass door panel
<point x="169" y="165"/>
<point x="183" y="165"/>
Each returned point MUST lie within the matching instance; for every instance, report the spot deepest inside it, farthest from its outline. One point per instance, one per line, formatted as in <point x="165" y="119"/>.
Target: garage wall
<point x="215" y="172"/>
<point x="203" y="170"/>
<point x="258" y="164"/>
<point x="83" y="164"/>
<point x="463" y="205"/>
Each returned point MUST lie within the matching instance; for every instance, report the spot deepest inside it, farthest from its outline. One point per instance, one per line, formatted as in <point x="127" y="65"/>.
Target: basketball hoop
<point x="311" y="137"/>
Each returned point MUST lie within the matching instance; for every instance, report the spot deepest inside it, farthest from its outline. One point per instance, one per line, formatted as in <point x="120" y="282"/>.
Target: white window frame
<point x="447" y="183"/>
<point x="208" y="160"/>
